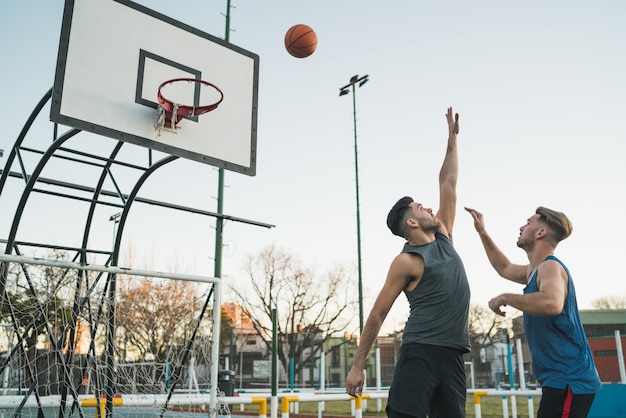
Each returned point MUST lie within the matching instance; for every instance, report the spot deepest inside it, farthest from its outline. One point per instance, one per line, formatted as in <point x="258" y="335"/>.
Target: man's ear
<point x="541" y="233"/>
<point x="412" y="223"/>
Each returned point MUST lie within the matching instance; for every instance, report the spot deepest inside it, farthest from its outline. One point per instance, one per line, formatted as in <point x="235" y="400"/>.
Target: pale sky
<point x="539" y="86"/>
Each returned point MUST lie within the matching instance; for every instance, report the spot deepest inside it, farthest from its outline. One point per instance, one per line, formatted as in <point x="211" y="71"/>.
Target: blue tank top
<point x="558" y="345"/>
<point x="440" y="302"/>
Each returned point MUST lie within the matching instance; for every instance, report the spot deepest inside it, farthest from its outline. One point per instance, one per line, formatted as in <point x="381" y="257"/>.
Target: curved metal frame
<point x="11" y="246"/>
<point x="96" y="192"/>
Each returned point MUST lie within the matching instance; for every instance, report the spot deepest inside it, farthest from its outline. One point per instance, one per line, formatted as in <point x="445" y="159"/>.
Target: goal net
<point x="89" y="340"/>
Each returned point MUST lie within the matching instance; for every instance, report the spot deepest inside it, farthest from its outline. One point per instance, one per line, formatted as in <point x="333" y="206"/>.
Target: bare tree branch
<point x="610" y="302"/>
<point x="309" y="308"/>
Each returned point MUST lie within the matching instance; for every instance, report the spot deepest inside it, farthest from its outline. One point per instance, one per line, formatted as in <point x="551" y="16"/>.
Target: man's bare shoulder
<point x="407" y="267"/>
<point x="551" y="269"/>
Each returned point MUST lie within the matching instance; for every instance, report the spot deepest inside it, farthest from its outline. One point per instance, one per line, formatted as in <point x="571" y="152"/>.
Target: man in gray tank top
<point x="429" y="378"/>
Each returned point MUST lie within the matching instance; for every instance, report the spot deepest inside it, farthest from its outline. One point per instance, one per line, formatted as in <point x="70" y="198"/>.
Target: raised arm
<point x="448" y="176"/>
<point x="394" y="284"/>
<point x="514" y="272"/>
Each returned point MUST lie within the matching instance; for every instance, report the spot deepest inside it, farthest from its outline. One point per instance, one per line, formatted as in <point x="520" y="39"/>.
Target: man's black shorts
<point x="562" y="403"/>
<point x="428" y="380"/>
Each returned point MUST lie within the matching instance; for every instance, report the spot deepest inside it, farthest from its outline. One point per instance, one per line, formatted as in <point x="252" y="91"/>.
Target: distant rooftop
<point x="603" y="316"/>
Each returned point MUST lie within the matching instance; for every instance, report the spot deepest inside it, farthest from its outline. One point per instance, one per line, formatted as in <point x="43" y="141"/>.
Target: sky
<point x="539" y="87"/>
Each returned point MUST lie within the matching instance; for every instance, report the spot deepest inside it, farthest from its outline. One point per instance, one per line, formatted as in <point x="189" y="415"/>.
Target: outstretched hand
<point x="453" y="122"/>
<point x="479" y="223"/>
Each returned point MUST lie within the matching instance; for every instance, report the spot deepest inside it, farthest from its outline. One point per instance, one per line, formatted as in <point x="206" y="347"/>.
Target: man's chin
<point x="433" y="227"/>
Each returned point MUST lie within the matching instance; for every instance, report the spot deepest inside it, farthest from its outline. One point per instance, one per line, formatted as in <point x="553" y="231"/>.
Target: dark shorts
<point x="428" y="380"/>
<point x="562" y="403"/>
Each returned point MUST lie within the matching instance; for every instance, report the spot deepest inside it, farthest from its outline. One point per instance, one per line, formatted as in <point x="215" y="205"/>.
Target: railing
<point x="290" y="399"/>
<point x="287" y="401"/>
<point x="505" y="405"/>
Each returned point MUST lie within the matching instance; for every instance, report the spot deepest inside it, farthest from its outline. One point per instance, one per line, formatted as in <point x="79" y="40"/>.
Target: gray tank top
<point x="439" y="304"/>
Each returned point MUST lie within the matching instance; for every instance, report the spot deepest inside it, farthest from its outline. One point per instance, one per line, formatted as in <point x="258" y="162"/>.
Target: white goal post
<point x="27" y="399"/>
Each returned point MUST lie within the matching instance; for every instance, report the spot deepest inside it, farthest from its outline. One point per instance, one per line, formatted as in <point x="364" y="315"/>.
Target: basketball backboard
<point x="114" y="55"/>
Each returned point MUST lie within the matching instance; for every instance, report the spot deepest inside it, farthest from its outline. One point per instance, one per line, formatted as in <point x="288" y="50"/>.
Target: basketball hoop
<point x="170" y="113"/>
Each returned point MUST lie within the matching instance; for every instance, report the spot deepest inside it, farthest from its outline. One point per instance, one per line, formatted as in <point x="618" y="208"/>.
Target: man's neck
<point x="538" y="254"/>
<point x="421" y="238"/>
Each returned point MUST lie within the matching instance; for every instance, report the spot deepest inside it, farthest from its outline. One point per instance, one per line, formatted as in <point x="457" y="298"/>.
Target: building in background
<point x="600" y="328"/>
<point x="490" y="363"/>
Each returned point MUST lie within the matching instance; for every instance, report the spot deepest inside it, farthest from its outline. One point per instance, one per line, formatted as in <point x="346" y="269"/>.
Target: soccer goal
<point x="90" y="340"/>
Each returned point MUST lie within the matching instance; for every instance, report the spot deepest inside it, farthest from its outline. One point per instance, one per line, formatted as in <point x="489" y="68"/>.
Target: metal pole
<point x="219" y="225"/>
<point x="620" y="356"/>
<point x="274" y="405"/>
<point x="116" y="220"/>
<point x="520" y="364"/>
<point x="358" y="212"/>
<point x="342" y="91"/>
<point x="219" y="222"/>
<point x="215" y="348"/>
<point x="105" y="269"/>
<point x="511" y="377"/>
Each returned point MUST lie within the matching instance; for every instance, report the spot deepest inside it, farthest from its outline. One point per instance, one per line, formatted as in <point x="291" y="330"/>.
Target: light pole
<point x="342" y="92"/>
<point x="115" y="218"/>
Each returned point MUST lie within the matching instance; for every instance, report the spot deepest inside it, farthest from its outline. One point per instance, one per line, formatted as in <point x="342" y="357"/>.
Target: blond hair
<point x="558" y="224"/>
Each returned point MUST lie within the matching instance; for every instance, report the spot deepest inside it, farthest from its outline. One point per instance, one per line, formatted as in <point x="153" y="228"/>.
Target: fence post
<point x="358" y="408"/>
<point x="620" y="356"/>
<point x="531" y="407"/>
<point x="285" y="404"/>
<point x="262" y="405"/>
<point x="477" y="396"/>
<point x="505" y="406"/>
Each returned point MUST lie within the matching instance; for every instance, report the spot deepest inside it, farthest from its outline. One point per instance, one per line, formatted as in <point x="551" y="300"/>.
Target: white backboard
<point x="113" y="55"/>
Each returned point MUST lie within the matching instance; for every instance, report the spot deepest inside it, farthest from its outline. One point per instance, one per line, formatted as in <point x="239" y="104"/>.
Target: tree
<point x="485" y="329"/>
<point x="152" y="316"/>
<point x="310" y="309"/>
<point x="46" y="330"/>
<point x="39" y="300"/>
<point x="155" y="318"/>
<point x="610" y="302"/>
<point x="484" y="324"/>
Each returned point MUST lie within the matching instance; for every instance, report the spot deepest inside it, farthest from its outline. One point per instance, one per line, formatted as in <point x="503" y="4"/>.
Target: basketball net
<point x="159" y="122"/>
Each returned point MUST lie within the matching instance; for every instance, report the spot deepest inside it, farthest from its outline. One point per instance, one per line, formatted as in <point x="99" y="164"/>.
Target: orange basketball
<point x="300" y="41"/>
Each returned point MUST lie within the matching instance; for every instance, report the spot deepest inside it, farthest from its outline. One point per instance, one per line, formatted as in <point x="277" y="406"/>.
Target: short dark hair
<point x="395" y="218"/>
<point x="557" y="222"/>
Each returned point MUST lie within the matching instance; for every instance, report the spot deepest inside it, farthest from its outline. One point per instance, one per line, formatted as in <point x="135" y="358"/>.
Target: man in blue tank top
<point x="429" y="378"/>
<point x="562" y="359"/>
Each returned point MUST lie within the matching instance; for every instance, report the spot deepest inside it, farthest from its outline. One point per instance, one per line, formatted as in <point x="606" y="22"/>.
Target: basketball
<point x="300" y="41"/>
